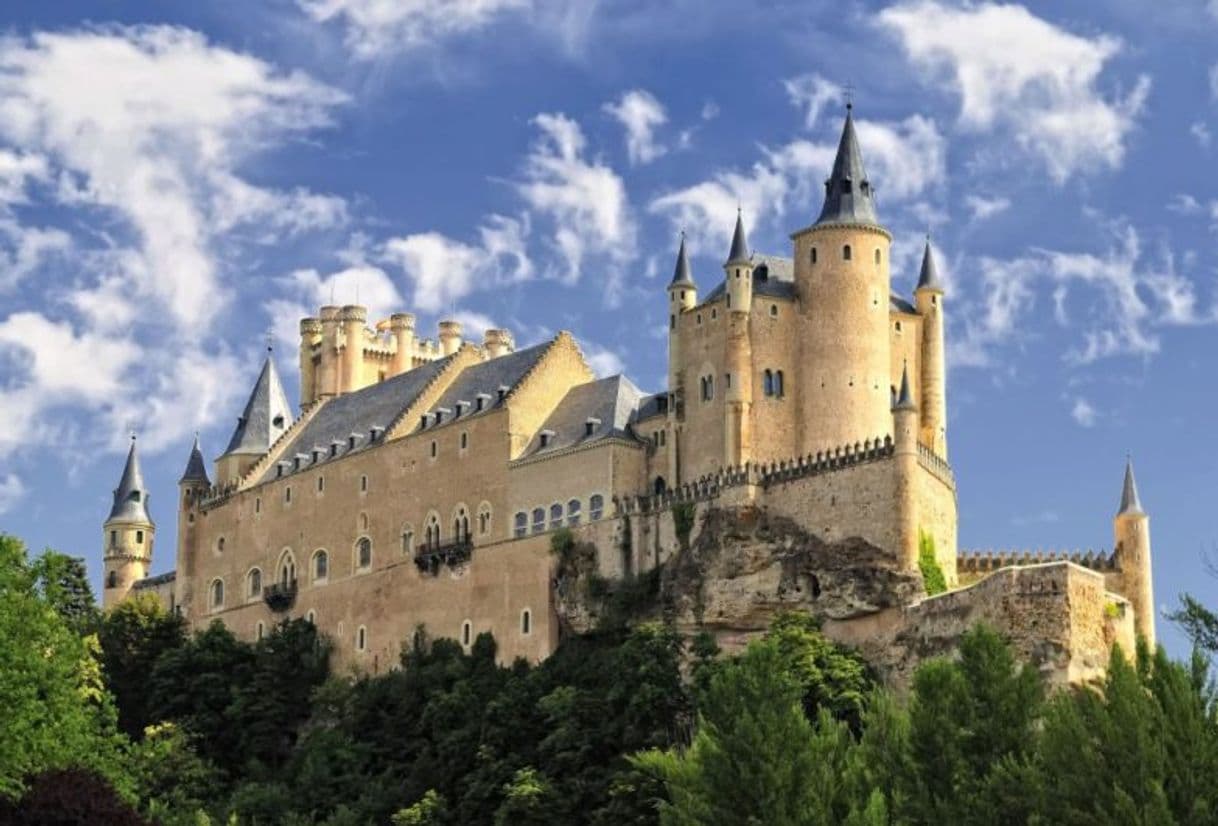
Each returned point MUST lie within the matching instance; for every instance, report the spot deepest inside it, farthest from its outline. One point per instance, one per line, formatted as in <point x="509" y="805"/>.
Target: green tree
<point x="134" y="635"/>
<point x="1200" y="623"/>
<point x="528" y="800"/>
<point x="830" y="677"/>
<point x="752" y="754"/>
<point x="64" y="583"/>
<point x="430" y="810"/>
<point x="172" y="782"/>
<point x="54" y="710"/>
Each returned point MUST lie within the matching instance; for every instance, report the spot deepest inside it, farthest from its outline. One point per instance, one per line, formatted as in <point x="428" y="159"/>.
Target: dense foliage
<point x="127" y="719"/>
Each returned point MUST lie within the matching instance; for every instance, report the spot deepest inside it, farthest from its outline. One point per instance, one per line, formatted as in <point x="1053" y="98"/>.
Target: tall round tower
<point x="192" y="488"/>
<point x="841" y="272"/>
<point x="1131" y="529"/>
<point x="682" y="296"/>
<point x="738" y="355"/>
<point x="929" y="299"/>
<point x="127" y="534"/>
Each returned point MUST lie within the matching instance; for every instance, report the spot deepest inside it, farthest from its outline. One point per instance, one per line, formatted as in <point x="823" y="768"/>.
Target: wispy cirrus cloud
<point x="640" y="114"/>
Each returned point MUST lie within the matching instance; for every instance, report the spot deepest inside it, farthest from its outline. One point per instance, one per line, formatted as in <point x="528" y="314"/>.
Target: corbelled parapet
<point x="353" y="312"/>
<point x="401" y="321"/>
<point x="497" y="342"/>
<point x="310" y="326"/>
<point x="450" y="336"/>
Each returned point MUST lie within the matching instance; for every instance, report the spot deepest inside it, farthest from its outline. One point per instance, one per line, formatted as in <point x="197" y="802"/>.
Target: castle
<point x="421" y="482"/>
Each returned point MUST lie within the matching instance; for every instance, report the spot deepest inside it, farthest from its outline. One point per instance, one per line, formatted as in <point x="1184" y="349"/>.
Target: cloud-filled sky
<point x="180" y="181"/>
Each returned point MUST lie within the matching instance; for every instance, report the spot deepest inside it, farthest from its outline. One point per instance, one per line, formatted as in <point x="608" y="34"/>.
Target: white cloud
<point x="1113" y="302"/>
<point x="11" y="491"/>
<point x="1184" y="204"/>
<point x="710" y="110"/>
<point x="444" y="270"/>
<point x="377" y="27"/>
<point x="1202" y="134"/>
<point x="904" y="160"/>
<point x="604" y="362"/>
<point x="640" y="114"/>
<point x="584" y="199"/>
<point x="811" y="93"/>
<point x="151" y="123"/>
<point x="982" y="208"/>
<point x="1017" y="72"/>
<point x="1083" y="413"/>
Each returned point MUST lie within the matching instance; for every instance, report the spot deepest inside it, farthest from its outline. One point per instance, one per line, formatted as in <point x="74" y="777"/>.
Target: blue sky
<point x="176" y="180"/>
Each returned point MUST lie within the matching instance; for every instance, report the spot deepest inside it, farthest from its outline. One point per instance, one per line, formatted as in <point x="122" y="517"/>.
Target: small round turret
<point x="127" y="534"/>
<point x="738" y="270"/>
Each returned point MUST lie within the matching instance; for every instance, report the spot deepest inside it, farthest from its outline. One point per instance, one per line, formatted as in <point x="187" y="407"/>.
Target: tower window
<point x="255" y="584"/>
<point x="217" y="594"/>
<point x="407" y="540"/>
<point x="467" y="631"/>
<point x="773" y="311"/>
<point x="363" y="484"/>
<point x="672" y="322"/>
<point x="555" y="516"/>
<point x="321" y="565"/>
<point x="464" y="441"/>
<point x="112" y="580"/>
<point x="521" y="524"/>
<point x="258" y="504"/>
<point x="813" y="255"/>
<point x="113" y="539"/>
<point x="361" y="639"/>
<point x="321" y="484"/>
<point x="714" y="313"/>
<point x="363" y="553"/>
<point x="433" y="450"/>
<point x="846" y="254"/>
<point x="778" y="389"/>
<point x="877" y="256"/>
<point x="258" y="633"/>
<point x="139" y="537"/>
<point x="698" y="318"/>
<point x="573" y="513"/>
<point x="526" y="621"/>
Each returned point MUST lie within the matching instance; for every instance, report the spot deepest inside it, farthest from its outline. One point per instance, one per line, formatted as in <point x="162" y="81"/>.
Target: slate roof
<point x="131" y="495"/>
<point x="1129" y="493"/>
<point x="928" y="278"/>
<point x="650" y="406"/>
<point x="849" y="197"/>
<point x="377" y="405"/>
<point x="613" y="401"/>
<point x="682" y="275"/>
<point x="487" y="377"/>
<point x="196" y="468"/>
<point x="153" y="581"/>
<point x="740" y="243"/>
<point x="904" y="399"/>
<point x="266" y="416"/>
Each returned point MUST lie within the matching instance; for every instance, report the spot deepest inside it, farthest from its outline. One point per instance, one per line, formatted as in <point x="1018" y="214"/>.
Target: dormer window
<point x="278" y="422"/>
<point x="423" y="422"/>
<point x="590" y="425"/>
<point x="459" y="408"/>
<point x="480" y="401"/>
<point x="296" y="461"/>
<point x="317" y="454"/>
<point x="334" y="448"/>
<point x="351" y="441"/>
<point x="847" y="185"/>
<point x="503" y="391"/>
<point x="546" y="437"/>
<point x="374" y="433"/>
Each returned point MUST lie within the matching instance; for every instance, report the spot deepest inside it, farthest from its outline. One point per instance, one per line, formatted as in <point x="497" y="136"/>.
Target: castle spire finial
<point x="849" y="198"/>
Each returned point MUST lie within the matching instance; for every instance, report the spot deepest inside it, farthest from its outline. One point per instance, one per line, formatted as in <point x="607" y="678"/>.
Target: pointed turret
<point x="904" y="398"/>
<point x="131" y="496"/>
<point x="682" y="275"/>
<point x="740" y="243"/>
<point x="1130" y="505"/>
<point x="196" y="468"/>
<point x="266" y="416"/>
<point x="928" y="278"/>
<point x="849" y="198"/>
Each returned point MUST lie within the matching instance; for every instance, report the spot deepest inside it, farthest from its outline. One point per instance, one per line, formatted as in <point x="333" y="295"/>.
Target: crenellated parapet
<point x="975" y="563"/>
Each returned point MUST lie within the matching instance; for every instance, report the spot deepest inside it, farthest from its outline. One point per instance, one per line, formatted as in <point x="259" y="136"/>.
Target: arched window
<point x="220" y="545"/>
<point x="521" y="524"/>
<point x="217" y="594"/>
<point x="253" y="583"/>
<point x="526" y="621"/>
<point x="467" y="633"/>
<point x="596" y="506"/>
<point x="321" y="565"/>
<point x="363" y="553"/>
<point x="573" y="513"/>
<point x="484" y="519"/>
<point x="361" y="639"/>
<point x="431" y="533"/>
<point x="539" y="520"/>
<point x="461" y="524"/>
<point x="287" y="568"/>
<point x="555" y="516"/>
<point x="846" y="253"/>
<point x="767" y="381"/>
<point x="778" y="388"/>
<point x="814" y="255"/>
<point x="877" y="256"/>
<point x="407" y="539"/>
<point x="112" y="580"/>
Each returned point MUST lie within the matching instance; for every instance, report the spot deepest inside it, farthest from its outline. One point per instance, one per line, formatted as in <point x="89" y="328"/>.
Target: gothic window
<point x="526" y="621"/>
<point x="539" y="520"/>
<point x="407" y="540"/>
<point x="254" y="580"/>
<point x="112" y="580"/>
<point x="660" y="487"/>
<point x="363" y="553"/>
<point x="217" y="594"/>
<point x="287" y="568"/>
<point x="573" y="513"/>
<point x="321" y="565"/>
<point x="432" y="532"/>
<point x="484" y="519"/>
<point x="846" y="253"/>
<point x="220" y="545"/>
<point x="596" y="506"/>
<point x="521" y="524"/>
<point x="461" y="524"/>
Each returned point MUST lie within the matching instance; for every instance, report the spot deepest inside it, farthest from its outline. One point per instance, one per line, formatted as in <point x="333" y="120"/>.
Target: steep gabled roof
<point x="266" y="416"/>
<point x="849" y="198"/>
<point x="606" y="406"/>
<point x="131" y="495"/>
<point x="740" y="243"/>
<point x="928" y="278"/>
<point x="196" y="468"/>
<point x="682" y="275"/>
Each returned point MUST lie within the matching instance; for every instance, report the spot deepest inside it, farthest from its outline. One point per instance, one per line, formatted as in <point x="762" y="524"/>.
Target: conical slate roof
<point x="904" y="398"/>
<point x="1129" y="493"/>
<point x="267" y="414"/>
<point x="682" y="275"/>
<point x="848" y="195"/>
<point x="196" y="468"/>
<point x="740" y="244"/>
<point x="131" y="495"/>
<point x="928" y="279"/>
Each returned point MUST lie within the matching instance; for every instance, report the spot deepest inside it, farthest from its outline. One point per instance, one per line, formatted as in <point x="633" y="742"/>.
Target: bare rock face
<point x="743" y="568"/>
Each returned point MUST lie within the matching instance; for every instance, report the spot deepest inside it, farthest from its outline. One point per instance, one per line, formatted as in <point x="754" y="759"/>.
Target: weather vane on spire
<point x="849" y="90"/>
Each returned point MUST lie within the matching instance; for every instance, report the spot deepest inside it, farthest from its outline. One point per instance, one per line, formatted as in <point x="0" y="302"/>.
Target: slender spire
<point x="131" y="495"/>
<point x="848" y="195"/>
<point x="904" y="399"/>
<point x="740" y="243"/>
<point x="928" y="279"/>
<point x="682" y="276"/>
<point x="196" y="468"/>
<point x="266" y="416"/>
<point x="1129" y="493"/>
